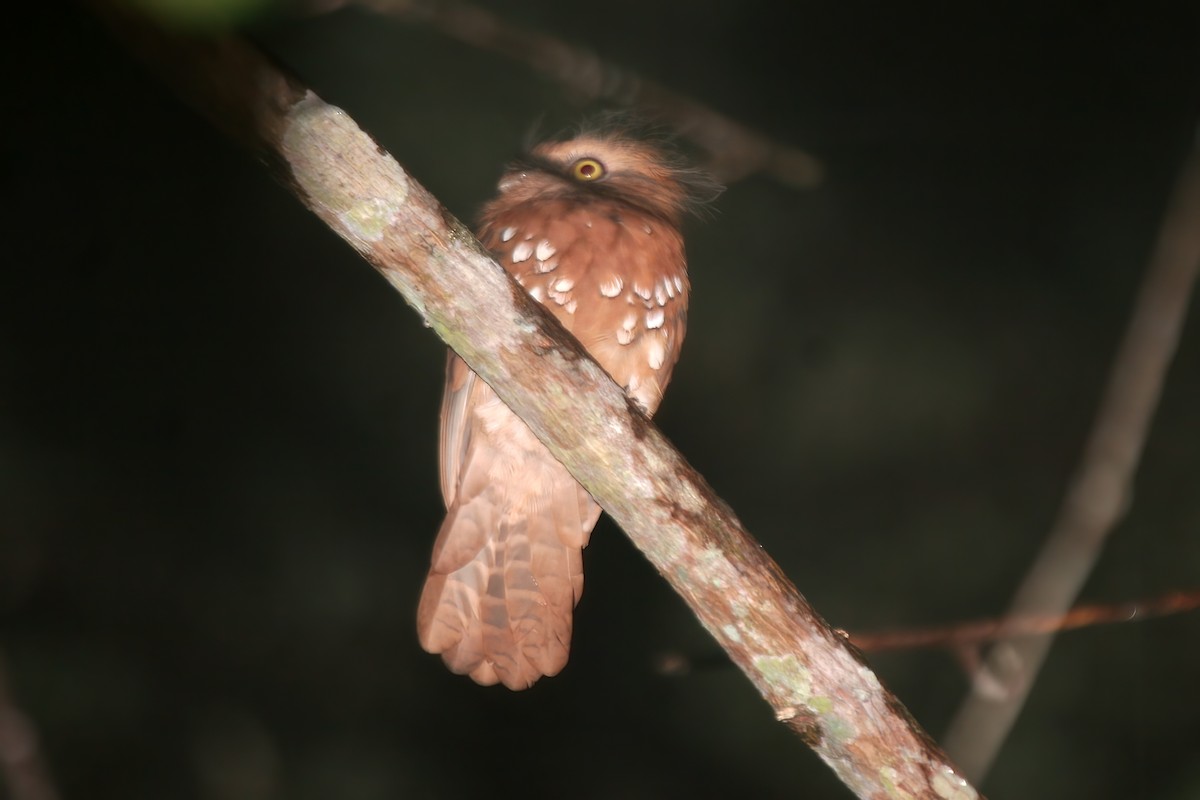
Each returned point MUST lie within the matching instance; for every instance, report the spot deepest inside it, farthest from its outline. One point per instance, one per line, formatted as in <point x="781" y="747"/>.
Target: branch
<point x="735" y="151"/>
<point x="1101" y="490"/>
<point x="978" y="632"/>
<point x="817" y="684"/>
<point x="21" y="761"/>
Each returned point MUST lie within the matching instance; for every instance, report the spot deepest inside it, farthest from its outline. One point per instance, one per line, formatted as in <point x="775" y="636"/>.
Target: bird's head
<point x="613" y="164"/>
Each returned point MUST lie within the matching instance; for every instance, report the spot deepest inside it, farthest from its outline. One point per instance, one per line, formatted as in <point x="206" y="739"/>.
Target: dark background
<point x="218" y="487"/>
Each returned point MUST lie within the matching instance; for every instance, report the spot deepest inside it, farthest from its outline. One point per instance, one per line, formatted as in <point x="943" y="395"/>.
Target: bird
<point x="590" y="225"/>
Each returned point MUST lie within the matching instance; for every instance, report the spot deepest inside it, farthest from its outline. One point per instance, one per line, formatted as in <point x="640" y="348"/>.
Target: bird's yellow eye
<point x="587" y="169"/>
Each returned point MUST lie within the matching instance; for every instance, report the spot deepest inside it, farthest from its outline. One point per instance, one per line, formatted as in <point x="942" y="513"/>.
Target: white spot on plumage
<point x="558" y="297"/>
<point x="546" y="266"/>
<point x="564" y="285"/>
<point x="655" y="318"/>
<point x="624" y="336"/>
<point x="669" y="285"/>
<point x="507" y="233"/>
<point x="657" y="353"/>
<point x="611" y="287"/>
<point x="571" y="306"/>
<point x="647" y="228"/>
<point x="522" y="252"/>
<point x="643" y="292"/>
<point x="679" y="284"/>
<point x="660" y="293"/>
<point x="630" y="322"/>
<point x="528" y="236"/>
<point x="645" y="394"/>
<point x="538" y="293"/>
<point x="545" y="250"/>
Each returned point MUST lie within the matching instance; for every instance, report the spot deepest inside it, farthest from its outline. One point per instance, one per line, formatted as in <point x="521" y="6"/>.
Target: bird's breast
<point x="616" y="280"/>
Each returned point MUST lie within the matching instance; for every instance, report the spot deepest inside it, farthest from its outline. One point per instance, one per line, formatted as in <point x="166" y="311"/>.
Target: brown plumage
<point x="590" y="228"/>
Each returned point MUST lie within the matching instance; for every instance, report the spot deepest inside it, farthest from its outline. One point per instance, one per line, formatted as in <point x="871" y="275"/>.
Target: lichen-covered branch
<point x="816" y="683"/>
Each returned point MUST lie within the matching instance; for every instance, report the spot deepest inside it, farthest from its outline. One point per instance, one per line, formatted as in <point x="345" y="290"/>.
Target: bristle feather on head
<point x="642" y="167"/>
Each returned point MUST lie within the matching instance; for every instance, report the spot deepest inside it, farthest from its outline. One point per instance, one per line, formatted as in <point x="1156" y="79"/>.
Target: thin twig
<point x="964" y="639"/>
<point x="734" y="150"/>
<point x="1101" y="490"/>
<point x="979" y="632"/>
<point x="817" y="684"/>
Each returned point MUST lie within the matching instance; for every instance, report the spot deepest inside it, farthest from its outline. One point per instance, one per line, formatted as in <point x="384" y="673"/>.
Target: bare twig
<point x="965" y="639"/>
<point x="1100" y="492"/>
<point x="21" y="761"/>
<point x="817" y="684"/>
<point x="979" y="632"/>
<point x="734" y="150"/>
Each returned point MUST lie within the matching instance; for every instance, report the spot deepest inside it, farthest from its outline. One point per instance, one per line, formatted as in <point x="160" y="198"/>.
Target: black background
<point x="218" y="486"/>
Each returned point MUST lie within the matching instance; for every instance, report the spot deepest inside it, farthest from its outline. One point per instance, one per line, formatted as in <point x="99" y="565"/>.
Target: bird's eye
<point x="587" y="169"/>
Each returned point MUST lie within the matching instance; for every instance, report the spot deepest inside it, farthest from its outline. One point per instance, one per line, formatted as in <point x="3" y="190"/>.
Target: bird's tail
<point x="507" y="572"/>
